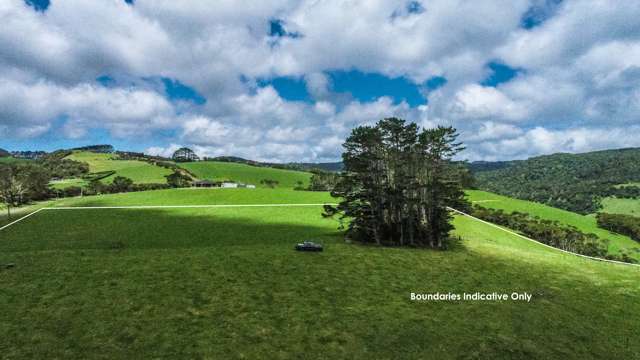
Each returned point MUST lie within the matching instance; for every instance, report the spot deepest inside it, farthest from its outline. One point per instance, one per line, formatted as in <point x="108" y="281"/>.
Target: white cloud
<point x="580" y="72"/>
<point x="30" y="109"/>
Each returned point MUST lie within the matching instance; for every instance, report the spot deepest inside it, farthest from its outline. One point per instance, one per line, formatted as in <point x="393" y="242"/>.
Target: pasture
<point x="583" y="223"/>
<point x="219" y="171"/>
<point x="226" y="283"/>
<point x="614" y="205"/>
<point x="12" y="160"/>
<point x="139" y="171"/>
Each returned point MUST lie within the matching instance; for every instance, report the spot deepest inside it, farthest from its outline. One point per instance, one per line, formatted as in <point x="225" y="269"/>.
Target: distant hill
<point x="478" y="166"/>
<point x="246" y="173"/>
<point x="574" y="182"/>
<point x="140" y="172"/>
<point x="331" y="166"/>
<point x="4" y="153"/>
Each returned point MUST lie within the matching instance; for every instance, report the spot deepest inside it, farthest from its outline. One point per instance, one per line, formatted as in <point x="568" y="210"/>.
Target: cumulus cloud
<point x="29" y="110"/>
<point x="580" y="72"/>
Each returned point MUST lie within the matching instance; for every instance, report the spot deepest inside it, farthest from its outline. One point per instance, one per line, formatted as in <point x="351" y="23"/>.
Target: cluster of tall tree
<point x="574" y="182"/>
<point x="551" y="233"/>
<point x="621" y="224"/>
<point x="397" y="184"/>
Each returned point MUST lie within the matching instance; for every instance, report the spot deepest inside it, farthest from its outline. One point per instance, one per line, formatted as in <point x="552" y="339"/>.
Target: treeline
<point x="552" y="233"/>
<point x="33" y="177"/>
<point x="119" y="184"/>
<point x="574" y="182"/>
<point x="103" y="148"/>
<point x="60" y="168"/>
<point x="329" y="167"/>
<point x="621" y="224"/>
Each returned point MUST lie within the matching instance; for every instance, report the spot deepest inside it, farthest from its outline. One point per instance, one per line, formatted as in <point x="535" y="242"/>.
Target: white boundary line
<point x="176" y="206"/>
<point x="293" y="205"/>
<point x="22" y="218"/>
<point x="538" y="242"/>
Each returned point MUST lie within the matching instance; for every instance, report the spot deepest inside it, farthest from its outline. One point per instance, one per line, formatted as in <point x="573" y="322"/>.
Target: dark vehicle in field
<point x="309" y="246"/>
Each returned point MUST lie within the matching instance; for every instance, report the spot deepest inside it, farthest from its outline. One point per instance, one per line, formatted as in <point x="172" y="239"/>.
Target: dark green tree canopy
<point x="397" y="183"/>
<point x="185" y="154"/>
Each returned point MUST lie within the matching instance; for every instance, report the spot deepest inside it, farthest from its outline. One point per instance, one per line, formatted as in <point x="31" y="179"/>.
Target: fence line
<point x="296" y="205"/>
<point x="22" y="218"/>
<point x="538" y="242"/>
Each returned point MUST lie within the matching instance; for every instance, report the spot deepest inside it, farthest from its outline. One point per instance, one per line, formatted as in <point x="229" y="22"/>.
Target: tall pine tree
<point x="397" y="183"/>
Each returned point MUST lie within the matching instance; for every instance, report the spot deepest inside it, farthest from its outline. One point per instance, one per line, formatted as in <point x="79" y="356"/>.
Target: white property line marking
<point x="484" y="201"/>
<point x="292" y="205"/>
<point x="22" y="218"/>
<point x="538" y="242"/>
<point x="177" y="206"/>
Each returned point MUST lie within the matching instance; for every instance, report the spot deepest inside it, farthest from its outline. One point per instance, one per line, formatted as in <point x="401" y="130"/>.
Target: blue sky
<point x="287" y="80"/>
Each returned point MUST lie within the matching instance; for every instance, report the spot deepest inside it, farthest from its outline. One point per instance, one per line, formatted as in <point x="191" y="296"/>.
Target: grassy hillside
<point x="226" y="283"/>
<point x="189" y="196"/>
<point x="614" y="205"/>
<point x="584" y="223"/>
<point x="248" y="174"/>
<point x="11" y="160"/>
<point x="138" y="171"/>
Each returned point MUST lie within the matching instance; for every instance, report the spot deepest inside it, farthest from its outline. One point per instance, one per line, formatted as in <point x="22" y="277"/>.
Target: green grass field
<point x="65" y="183"/>
<point x="213" y="170"/>
<point x="12" y="160"/>
<point x="226" y="283"/>
<point x="614" y="205"/>
<point x="585" y="224"/>
<point x="210" y="196"/>
<point x="138" y="171"/>
<point x="19" y="212"/>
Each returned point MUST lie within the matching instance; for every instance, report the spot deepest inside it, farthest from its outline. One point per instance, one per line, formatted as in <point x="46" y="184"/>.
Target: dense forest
<point x="621" y="224"/>
<point x="574" y="182"/>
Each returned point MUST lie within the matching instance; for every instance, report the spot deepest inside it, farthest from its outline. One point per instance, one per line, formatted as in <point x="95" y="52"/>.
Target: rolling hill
<point x="613" y="205"/>
<point x="248" y="174"/>
<point x="584" y="223"/>
<point x="139" y="171"/>
<point x="226" y="283"/>
<point x="574" y="182"/>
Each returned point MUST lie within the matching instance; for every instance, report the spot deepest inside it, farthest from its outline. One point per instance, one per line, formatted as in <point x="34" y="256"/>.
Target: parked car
<point x="309" y="246"/>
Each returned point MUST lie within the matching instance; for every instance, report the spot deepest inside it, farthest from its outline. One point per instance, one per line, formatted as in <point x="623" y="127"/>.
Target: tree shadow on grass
<point x="120" y="229"/>
<point x="126" y="229"/>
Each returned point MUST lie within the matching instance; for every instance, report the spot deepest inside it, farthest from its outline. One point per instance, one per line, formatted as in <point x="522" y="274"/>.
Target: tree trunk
<point x="8" y="212"/>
